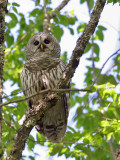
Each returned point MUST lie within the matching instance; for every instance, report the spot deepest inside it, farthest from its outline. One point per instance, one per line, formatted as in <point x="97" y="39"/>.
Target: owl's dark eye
<point x="46" y="41"/>
<point x="36" y="43"/>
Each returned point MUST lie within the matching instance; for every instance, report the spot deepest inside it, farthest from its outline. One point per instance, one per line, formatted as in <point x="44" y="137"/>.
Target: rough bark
<point x="3" y="5"/>
<point x="29" y="122"/>
<point x="31" y="119"/>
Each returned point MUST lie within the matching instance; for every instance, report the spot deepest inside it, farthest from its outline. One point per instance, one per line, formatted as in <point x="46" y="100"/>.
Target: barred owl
<point x="43" y="70"/>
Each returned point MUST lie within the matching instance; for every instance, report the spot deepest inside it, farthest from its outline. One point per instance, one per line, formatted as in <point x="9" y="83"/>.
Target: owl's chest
<point x="34" y="81"/>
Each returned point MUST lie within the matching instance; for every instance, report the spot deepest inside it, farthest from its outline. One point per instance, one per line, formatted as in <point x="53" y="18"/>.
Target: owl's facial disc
<point x="42" y="45"/>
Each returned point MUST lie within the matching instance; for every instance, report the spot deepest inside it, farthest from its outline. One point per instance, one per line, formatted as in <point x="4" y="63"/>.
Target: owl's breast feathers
<point x="44" y="63"/>
<point x="40" y="74"/>
<point x="37" y="75"/>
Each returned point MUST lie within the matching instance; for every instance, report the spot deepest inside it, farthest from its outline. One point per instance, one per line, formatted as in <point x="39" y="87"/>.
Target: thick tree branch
<point x="82" y="43"/>
<point x="3" y="5"/>
<point x="31" y="119"/>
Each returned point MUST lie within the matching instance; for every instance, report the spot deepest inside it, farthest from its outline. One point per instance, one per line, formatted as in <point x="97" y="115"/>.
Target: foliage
<point x="97" y="116"/>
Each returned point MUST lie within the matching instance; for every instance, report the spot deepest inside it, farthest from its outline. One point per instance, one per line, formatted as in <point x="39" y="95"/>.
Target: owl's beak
<point x="41" y="46"/>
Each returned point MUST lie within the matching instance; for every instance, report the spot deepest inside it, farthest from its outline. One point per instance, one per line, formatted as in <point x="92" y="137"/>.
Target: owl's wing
<point x="31" y="82"/>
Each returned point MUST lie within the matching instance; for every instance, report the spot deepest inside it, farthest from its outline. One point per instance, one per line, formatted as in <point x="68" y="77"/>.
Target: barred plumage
<point x="42" y="70"/>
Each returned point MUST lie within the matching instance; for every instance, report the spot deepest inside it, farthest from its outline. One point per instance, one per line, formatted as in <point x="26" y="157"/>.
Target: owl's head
<point x="42" y="45"/>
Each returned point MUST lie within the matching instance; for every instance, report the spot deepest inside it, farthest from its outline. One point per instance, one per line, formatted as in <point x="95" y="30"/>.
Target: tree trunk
<point x="3" y="5"/>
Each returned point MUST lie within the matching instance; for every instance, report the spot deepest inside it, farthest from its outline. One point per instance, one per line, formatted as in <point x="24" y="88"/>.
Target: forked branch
<point x="52" y="15"/>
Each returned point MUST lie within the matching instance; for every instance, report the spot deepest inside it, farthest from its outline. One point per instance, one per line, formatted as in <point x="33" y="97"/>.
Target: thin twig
<point x="43" y="92"/>
<point x="85" y="145"/>
<point x="6" y="96"/>
<point x="62" y="5"/>
<point x="78" y="143"/>
<point x="46" y="19"/>
<point x="45" y="9"/>
<point x="103" y="67"/>
<point x="112" y="150"/>
<point x="57" y="9"/>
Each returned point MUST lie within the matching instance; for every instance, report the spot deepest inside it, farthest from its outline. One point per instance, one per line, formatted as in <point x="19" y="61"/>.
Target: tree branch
<point x="111" y="149"/>
<point x="3" y="5"/>
<point x="82" y="43"/>
<point x="47" y="17"/>
<point x="43" y="92"/>
<point x="103" y="67"/>
<point x="29" y="122"/>
<point x="31" y="119"/>
<point x="57" y="9"/>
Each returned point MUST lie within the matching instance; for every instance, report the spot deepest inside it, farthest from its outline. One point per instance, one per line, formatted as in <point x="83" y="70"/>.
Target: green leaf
<point x="72" y="129"/>
<point x="105" y="123"/>
<point x="66" y="20"/>
<point x="91" y="4"/>
<point x="40" y="138"/>
<point x="88" y="47"/>
<point x="109" y="135"/>
<point x="82" y="1"/>
<point x="98" y="139"/>
<point x="100" y="35"/>
<point x="31" y="158"/>
<point x="94" y="88"/>
<point x="13" y="22"/>
<point x="37" y="2"/>
<point x="113" y="1"/>
<point x="9" y="39"/>
<point x="81" y="27"/>
<point x="86" y="141"/>
<point x="34" y="12"/>
<point x="71" y="30"/>
<point x="64" y="57"/>
<point x="14" y="9"/>
<point x="48" y="1"/>
<point x="96" y="59"/>
<point x="96" y="49"/>
<point x="57" y="32"/>
<point x="107" y="78"/>
<point x="102" y="28"/>
<point x="31" y="142"/>
<point x="15" y="4"/>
